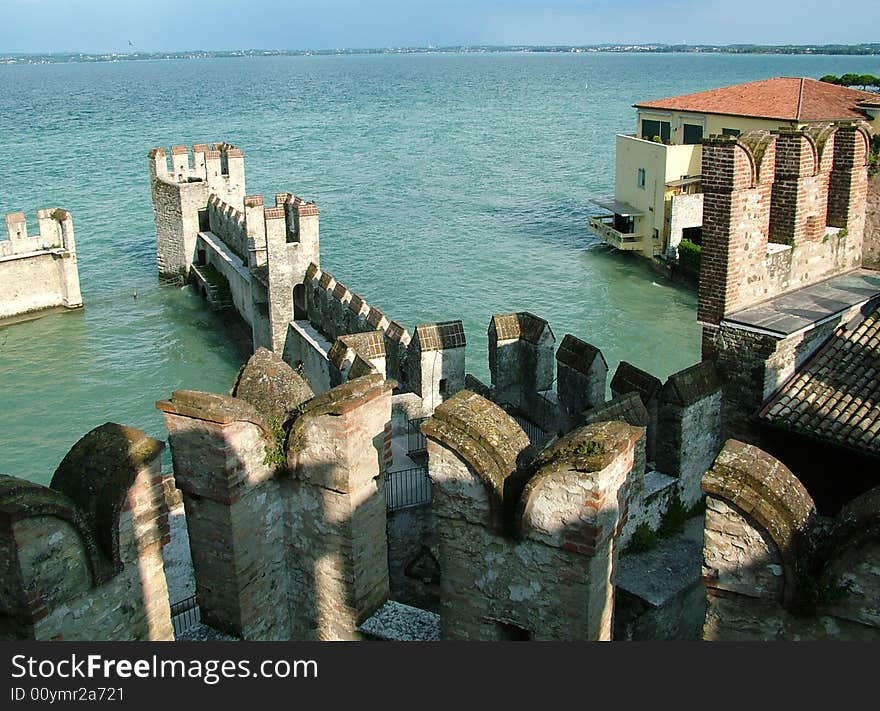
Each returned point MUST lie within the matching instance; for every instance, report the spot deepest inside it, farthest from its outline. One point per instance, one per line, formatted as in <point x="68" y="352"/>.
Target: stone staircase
<point x="213" y="287"/>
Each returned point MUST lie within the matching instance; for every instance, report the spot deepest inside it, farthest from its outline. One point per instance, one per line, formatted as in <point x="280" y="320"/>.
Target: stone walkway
<point x="178" y="562"/>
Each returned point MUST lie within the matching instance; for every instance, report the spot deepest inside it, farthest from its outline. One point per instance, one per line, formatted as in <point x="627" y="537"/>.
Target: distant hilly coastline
<point x="71" y="57"/>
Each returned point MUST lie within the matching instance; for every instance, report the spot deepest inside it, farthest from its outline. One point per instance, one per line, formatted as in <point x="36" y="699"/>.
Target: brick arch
<point x="865" y="132"/>
<point x="755" y="145"/>
<point x="96" y="475"/>
<point x="821" y="138"/>
<point x="764" y="489"/>
<point x="20" y="499"/>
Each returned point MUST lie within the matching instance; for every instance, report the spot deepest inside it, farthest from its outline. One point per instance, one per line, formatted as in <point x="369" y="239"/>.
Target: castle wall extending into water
<point x="38" y="271"/>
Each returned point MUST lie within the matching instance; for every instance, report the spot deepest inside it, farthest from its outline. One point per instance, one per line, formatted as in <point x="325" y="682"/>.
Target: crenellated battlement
<point x="338" y="311"/>
<point x="54" y="231"/>
<point x="781" y="210"/>
<point x="229" y="224"/>
<point x="93" y="538"/>
<point x="544" y="526"/>
<point x="772" y="567"/>
<point x="202" y="163"/>
<point x="38" y="271"/>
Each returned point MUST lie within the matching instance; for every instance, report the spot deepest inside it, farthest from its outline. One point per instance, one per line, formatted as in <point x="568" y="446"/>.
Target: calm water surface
<point x="450" y="186"/>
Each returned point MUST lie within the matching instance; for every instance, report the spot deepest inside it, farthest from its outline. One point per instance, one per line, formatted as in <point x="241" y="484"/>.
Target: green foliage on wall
<point x="689" y="255"/>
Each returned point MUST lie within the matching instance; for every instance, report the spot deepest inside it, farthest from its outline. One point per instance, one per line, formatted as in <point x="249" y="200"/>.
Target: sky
<point x="42" y="26"/>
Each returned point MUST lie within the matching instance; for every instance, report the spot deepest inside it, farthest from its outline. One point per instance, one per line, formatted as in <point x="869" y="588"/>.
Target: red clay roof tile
<point x="784" y="98"/>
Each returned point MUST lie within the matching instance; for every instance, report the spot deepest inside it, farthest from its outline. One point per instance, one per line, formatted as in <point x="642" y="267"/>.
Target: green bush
<point x="674" y="519"/>
<point x="275" y="456"/>
<point x="689" y="255"/>
<point x="643" y="539"/>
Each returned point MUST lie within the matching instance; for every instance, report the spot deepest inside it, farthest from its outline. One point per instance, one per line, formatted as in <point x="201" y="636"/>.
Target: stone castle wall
<point x="774" y="569"/>
<point x="430" y="364"/>
<point x="285" y="502"/>
<point x="38" y="272"/>
<point x="180" y="190"/>
<point x="521" y="557"/>
<point x="205" y="219"/>
<point x="781" y="211"/>
<point x="82" y="559"/>
<point x="871" y="251"/>
<point x="228" y="224"/>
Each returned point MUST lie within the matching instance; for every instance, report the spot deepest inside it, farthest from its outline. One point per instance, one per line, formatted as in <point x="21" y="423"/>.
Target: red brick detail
<point x="325" y="280"/>
<point x="800" y="192"/>
<point x="374" y="318"/>
<point x="356" y="303"/>
<point x="339" y="291"/>
<point x="736" y="216"/>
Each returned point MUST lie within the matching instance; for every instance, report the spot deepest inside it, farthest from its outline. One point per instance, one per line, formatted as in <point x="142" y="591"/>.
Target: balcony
<point x="603" y="227"/>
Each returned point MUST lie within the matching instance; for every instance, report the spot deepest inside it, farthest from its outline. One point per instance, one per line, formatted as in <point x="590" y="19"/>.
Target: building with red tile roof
<point x="657" y="198"/>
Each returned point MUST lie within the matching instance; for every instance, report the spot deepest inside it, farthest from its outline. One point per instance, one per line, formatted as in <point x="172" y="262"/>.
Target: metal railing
<point x="533" y="432"/>
<point x="185" y="614"/>
<point x="415" y="440"/>
<point x="407" y="487"/>
<point x="604" y="229"/>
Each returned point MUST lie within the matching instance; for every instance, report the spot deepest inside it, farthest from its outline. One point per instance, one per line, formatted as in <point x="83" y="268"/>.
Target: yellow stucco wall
<point x="661" y="164"/>
<point x="711" y="123"/>
<point x="666" y="163"/>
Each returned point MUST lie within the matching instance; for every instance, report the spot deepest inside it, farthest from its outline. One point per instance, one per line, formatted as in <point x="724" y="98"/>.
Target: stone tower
<point x="182" y="190"/>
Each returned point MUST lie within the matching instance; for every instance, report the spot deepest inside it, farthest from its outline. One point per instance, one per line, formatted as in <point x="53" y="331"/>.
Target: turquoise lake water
<point x="450" y="186"/>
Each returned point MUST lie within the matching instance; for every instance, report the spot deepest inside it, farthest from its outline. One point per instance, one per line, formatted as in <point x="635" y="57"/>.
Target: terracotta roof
<point x="439" y="336"/>
<point x="785" y="98"/>
<point x="836" y="395"/>
<point x="522" y="325"/>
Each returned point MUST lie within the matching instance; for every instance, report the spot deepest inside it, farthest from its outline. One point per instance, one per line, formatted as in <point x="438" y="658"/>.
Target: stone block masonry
<point x="284" y="501"/>
<point x="82" y="558"/>
<point x="38" y="272"/>
<point x="773" y="568"/>
<point x="526" y="548"/>
<point x="781" y="211"/>
<point x="182" y="189"/>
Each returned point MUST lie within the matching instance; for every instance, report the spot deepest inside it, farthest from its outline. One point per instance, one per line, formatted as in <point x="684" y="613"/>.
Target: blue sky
<point x="156" y="25"/>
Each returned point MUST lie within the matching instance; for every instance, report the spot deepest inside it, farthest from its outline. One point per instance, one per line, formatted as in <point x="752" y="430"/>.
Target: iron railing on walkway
<point x="415" y="440"/>
<point x="185" y="614"/>
<point x="533" y="432"/>
<point x="407" y="487"/>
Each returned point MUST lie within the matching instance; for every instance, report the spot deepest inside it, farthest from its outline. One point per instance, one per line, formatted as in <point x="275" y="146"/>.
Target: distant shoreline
<point x="92" y="57"/>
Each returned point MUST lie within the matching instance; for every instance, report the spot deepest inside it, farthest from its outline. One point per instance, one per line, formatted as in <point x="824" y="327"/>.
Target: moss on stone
<point x="271" y="385"/>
